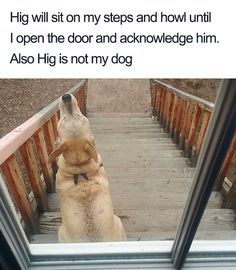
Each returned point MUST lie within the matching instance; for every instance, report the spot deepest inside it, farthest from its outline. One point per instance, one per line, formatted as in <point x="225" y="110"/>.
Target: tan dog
<point x="85" y="200"/>
<point x="72" y="123"/>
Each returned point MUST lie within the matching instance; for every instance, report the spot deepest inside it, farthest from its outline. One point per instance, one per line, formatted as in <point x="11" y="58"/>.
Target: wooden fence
<point x="23" y="160"/>
<point x="186" y="118"/>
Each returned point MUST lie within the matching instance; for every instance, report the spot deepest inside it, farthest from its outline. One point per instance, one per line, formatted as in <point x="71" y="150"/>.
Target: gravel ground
<point x="109" y="95"/>
<point x="21" y="99"/>
<point x="206" y="89"/>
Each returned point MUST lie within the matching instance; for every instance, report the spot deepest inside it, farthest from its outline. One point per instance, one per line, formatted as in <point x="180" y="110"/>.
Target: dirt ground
<point x="206" y="89"/>
<point x="109" y="95"/>
<point x="22" y="98"/>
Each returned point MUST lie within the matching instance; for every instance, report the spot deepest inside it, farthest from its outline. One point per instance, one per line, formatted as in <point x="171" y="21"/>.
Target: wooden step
<point x="125" y="123"/>
<point x="129" y="136"/>
<point x="121" y="121"/>
<point x="145" y="200"/>
<point x="139" y="154"/>
<point x="148" y="236"/>
<point x="150" y="173"/>
<point x="143" y="148"/>
<point x="118" y="115"/>
<point x="159" y="162"/>
<point x="135" y="142"/>
<point x="104" y="129"/>
<point x="149" y="225"/>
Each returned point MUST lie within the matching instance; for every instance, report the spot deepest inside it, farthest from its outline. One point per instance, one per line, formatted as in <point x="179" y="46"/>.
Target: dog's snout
<point x="66" y="97"/>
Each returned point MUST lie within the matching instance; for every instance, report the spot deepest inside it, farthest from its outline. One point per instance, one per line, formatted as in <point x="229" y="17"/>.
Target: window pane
<point x="149" y="159"/>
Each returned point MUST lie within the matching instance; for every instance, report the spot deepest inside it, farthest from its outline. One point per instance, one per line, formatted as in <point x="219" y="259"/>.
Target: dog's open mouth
<point x="67" y="100"/>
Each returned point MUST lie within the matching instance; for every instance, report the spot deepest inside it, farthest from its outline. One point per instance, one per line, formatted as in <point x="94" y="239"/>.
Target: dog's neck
<point x="65" y="115"/>
<point x="86" y="167"/>
<point x="87" y="176"/>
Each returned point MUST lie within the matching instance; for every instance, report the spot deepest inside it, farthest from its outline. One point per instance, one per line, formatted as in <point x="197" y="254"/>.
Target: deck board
<point x="140" y="221"/>
<point x="149" y="235"/>
<point x="133" y="200"/>
<point x="157" y="224"/>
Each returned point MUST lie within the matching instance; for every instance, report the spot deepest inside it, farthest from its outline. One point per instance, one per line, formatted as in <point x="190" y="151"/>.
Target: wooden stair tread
<point x="155" y="221"/>
<point x="118" y="115"/>
<point x="148" y="236"/>
<point x="145" y="200"/>
<point x="151" y="173"/>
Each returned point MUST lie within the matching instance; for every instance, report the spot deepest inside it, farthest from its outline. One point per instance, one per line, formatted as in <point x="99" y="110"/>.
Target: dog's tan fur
<point x="86" y="207"/>
<point x="72" y="123"/>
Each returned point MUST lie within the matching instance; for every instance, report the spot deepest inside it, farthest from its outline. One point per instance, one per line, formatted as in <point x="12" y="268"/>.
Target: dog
<point x="72" y="123"/>
<point x="83" y="189"/>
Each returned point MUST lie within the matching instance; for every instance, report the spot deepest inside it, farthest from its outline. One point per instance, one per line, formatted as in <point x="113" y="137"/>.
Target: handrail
<point x="186" y="118"/>
<point x="24" y="153"/>
<point x="185" y="96"/>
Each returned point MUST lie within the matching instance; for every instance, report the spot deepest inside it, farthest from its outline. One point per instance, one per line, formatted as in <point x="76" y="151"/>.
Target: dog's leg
<point x="121" y="234"/>
<point x="62" y="237"/>
<point x="92" y="140"/>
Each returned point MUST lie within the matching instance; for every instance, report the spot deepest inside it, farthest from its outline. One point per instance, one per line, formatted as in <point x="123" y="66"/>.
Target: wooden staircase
<point x="149" y="181"/>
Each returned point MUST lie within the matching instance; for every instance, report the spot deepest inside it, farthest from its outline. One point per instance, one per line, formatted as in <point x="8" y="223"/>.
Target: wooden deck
<point x="149" y="181"/>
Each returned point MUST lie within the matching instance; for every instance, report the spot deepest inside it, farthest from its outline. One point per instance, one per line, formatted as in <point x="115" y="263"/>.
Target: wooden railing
<point x="23" y="159"/>
<point x="186" y="118"/>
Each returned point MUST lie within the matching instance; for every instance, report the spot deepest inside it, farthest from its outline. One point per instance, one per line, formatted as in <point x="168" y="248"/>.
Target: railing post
<point x="50" y="139"/>
<point x="178" y="121"/>
<point x="166" y="110"/>
<point x="18" y="190"/>
<point x="43" y="157"/>
<point x="170" y="112"/>
<point x="192" y="131"/>
<point x="173" y="116"/>
<point x="186" y="125"/>
<point x="230" y="200"/>
<point x="158" y="101"/>
<point x="162" y="106"/>
<point x="81" y="99"/>
<point x="55" y="120"/>
<point x="153" y="94"/>
<point x="32" y="170"/>
<point x="201" y="136"/>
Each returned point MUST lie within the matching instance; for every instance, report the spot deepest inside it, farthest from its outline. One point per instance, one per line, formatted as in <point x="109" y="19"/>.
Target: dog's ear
<point x="91" y="150"/>
<point x="56" y="152"/>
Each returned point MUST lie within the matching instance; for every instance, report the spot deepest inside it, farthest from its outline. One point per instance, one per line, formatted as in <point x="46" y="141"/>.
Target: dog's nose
<point x="66" y="97"/>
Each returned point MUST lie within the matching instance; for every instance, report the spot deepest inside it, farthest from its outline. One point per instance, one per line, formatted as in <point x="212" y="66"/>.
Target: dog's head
<point x="75" y="151"/>
<point x="68" y="106"/>
<point x="72" y="123"/>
